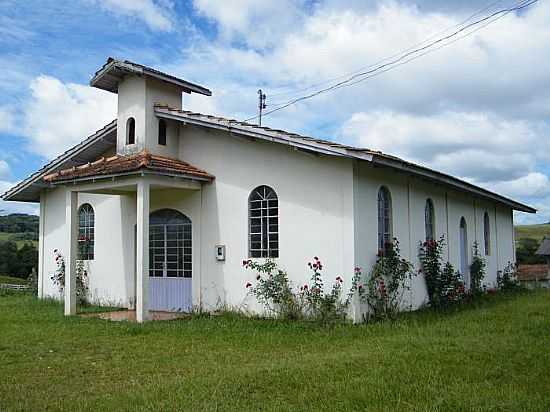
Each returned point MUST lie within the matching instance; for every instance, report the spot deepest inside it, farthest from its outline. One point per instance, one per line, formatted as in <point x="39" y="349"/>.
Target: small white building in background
<point x="163" y="204"/>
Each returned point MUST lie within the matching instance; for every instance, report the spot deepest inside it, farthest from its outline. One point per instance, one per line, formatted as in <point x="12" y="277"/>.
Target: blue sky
<point x="478" y="109"/>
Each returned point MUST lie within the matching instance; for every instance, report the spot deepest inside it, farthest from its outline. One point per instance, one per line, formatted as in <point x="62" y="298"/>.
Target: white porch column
<point x="71" y="251"/>
<point x="41" y="225"/>
<point x="142" y="249"/>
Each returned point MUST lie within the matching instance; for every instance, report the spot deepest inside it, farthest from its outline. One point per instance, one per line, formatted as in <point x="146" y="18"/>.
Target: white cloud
<point x="534" y="184"/>
<point x="4" y="169"/>
<point x="471" y="145"/>
<point x="257" y="23"/>
<point x="156" y="15"/>
<point x="15" y="207"/>
<point x="7" y="119"/>
<point x="59" y="115"/>
<point x="476" y="109"/>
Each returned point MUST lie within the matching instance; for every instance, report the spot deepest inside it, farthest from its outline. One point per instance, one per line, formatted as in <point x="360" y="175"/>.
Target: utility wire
<point x="401" y="60"/>
<point x="489" y="6"/>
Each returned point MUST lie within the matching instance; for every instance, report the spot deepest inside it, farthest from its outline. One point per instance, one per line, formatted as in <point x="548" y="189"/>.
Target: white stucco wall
<point x="327" y="208"/>
<point x="315" y="209"/>
<point x="111" y="273"/>
<point x="136" y="98"/>
<point x="409" y="195"/>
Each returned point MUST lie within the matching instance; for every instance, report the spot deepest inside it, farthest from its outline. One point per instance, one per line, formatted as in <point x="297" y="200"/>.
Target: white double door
<point x="170" y="267"/>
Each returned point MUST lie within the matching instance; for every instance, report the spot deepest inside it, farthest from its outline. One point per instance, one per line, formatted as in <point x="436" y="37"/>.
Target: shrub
<point x="319" y="305"/>
<point x="507" y="279"/>
<point x="477" y="272"/>
<point x="274" y="291"/>
<point x="387" y="283"/>
<point x="444" y="283"/>
<point x="58" y="278"/>
<point x="526" y="252"/>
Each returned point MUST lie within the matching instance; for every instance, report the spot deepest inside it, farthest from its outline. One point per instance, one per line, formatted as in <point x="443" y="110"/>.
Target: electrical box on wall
<point x="220" y="252"/>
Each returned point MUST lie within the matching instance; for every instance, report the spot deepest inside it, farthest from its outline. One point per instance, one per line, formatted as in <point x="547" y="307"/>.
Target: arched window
<point x="86" y="232"/>
<point x="170" y="244"/>
<point x="162" y="132"/>
<point x="487" y="234"/>
<point x="429" y="219"/>
<point x="384" y="219"/>
<point x="464" y="265"/>
<point x="263" y="223"/>
<point x="131" y="131"/>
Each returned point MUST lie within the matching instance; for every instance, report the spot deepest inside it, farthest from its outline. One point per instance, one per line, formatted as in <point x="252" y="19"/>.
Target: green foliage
<point x="274" y="291"/>
<point x="321" y="306"/>
<point x="477" y="272"/>
<point x="491" y="355"/>
<point x="58" y="278"/>
<point x="19" y="222"/>
<point x="387" y="283"/>
<point x="526" y="252"/>
<point x="507" y="279"/>
<point x="32" y="280"/>
<point x="17" y="262"/>
<point x="444" y="283"/>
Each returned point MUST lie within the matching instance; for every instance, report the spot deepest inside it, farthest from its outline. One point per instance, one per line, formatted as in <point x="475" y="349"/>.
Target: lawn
<point x="494" y="356"/>
<point x="20" y="243"/>
<point x="12" y="280"/>
<point x="532" y="231"/>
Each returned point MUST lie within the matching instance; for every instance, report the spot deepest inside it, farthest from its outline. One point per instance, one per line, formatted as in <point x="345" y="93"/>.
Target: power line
<point x="400" y="60"/>
<point x="389" y="57"/>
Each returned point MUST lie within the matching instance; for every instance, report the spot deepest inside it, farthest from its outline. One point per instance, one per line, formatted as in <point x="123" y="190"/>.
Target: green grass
<point x="20" y="243"/>
<point x="532" y="231"/>
<point x="491" y="357"/>
<point x="12" y="280"/>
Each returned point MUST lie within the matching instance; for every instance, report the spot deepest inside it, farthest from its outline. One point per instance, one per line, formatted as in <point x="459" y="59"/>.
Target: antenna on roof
<point x="261" y="105"/>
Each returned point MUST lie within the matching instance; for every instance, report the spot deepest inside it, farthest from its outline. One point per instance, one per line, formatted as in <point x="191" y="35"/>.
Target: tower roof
<point x="113" y="71"/>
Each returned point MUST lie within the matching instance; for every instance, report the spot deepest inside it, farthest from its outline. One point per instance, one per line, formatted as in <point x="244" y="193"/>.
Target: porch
<point x="162" y="238"/>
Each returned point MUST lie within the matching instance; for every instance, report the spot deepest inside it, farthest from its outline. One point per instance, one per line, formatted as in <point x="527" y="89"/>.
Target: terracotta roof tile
<point x="118" y="164"/>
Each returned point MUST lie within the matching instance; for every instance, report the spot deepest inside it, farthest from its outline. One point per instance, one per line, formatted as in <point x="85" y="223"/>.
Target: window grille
<point x="86" y="232"/>
<point x="429" y="219"/>
<point x="263" y="226"/>
<point x="170" y="244"/>
<point x="384" y="219"/>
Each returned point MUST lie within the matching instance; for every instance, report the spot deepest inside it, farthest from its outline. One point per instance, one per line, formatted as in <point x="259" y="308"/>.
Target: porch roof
<point x="124" y="165"/>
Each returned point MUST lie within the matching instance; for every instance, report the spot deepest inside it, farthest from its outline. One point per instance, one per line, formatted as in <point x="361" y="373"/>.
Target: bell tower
<point x="139" y="89"/>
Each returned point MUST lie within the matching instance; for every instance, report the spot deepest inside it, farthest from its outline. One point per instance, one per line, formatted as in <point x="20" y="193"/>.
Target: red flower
<point x="248" y="284"/>
<point x="245" y="262"/>
<point x="339" y="279"/>
<point x="357" y="269"/>
<point x="305" y="287"/>
<point x="360" y="287"/>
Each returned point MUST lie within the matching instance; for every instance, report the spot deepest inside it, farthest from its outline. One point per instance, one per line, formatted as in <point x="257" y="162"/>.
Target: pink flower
<point x="357" y="269"/>
<point x="245" y="262"/>
<point x="339" y="279"/>
<point x="315" y="258"/>
<point x="258" y="277"/>
<point x="248" y="284"/>
<point x="360" y="287"/>
<point x="305" y="287"/>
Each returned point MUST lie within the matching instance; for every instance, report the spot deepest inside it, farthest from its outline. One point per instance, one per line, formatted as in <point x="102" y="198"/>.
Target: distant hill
<point x="19" y="223"/>
<point x="532" y="231"/>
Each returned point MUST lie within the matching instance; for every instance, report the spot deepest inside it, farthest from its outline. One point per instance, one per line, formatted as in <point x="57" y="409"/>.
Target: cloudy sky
<point x="478" y="109"/>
